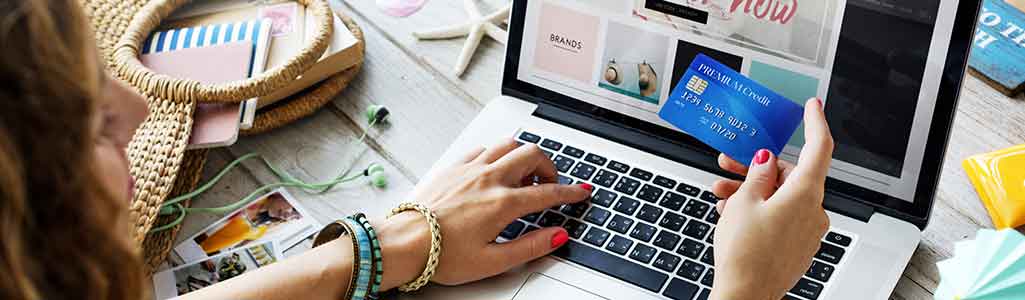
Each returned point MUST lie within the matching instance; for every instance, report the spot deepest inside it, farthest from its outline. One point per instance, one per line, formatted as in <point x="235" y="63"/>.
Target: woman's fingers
<point x="725" y="188"/>
<point x="471" y="155"/>
<point x="497" y="151"/>
<point x="817" y="153"/>
<point x="526" y="248"/>
<point x="761" y="179"/>
<point x="535" y="198"/>
<point x="524" y="161"/>
<point x="731" y="165"/>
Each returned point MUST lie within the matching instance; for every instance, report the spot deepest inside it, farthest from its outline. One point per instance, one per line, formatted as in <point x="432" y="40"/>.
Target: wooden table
<point x="430" y="107"/>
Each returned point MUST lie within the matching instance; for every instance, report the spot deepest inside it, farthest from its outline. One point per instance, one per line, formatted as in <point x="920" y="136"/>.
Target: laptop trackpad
<point x="540" y="286"/>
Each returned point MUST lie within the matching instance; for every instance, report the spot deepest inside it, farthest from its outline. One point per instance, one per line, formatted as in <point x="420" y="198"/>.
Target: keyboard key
<point x="672" y="201"/>
<point x="551" y="219"/>
<point x="664" y="182"/>
<point x="530" y="228"/>
<point x="789" y="297"/>
<point x="627" y="186"/>
<point x="575" y="210"/>
<point x="529" y="137"/>
<point x="641" y="174"/>
<point x="619" y="167"/>
<point x="627" y="206"/>
<point x="672" y="221"/>
<point x="596" y="236"/>
<point x="696" y="209"/>
<point x="711" y="237"/>
<point x="690" y="248"/>
<point x="583" y="171"/>
<point x="620" y="224"/>
<point x="709" y="257"/>
<point x="709" y="197"/>
<point x="605" y="178"/>
<point x="550" y="144"/>
<point x="807" y="289"/>
<point x="531" y="217"/>
<point x="820" y="271"/>
<point x="709" y="278"/>
<point x="575" y="228"/>
<point x="643" y="253"/>
<point x="574" y="152"/>
<point x="597" y="216"/>
<point x="512" y="230"/>
<point x="611" y="265"/>
<point x="696" y="229"/>
<point x="619" y="245"/>
<point x="713" y="217"/>
<point x="704" y="294"/>
<point x="666" y="262"/>
<point x="830" y="253"/>
<point x="643" y="232"/>
<point x="649" y="193"/>
<point x="603" y="198"/>
<point x="691" y="270"/>
<point x="564" y="180"/>
<point x="549" y="154"/>
<point x="688" y="190"/>
<point x="666" y="240"/>
<point x="562" y="163"/>
<point x="595" y="159"/>
<point x="649" y="213"/>
<point x="838" y="239"/>
<point x="680" y="290"/>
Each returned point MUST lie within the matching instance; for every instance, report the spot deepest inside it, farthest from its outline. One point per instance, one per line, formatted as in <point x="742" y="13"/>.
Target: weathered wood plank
<point x="481" y="79"/>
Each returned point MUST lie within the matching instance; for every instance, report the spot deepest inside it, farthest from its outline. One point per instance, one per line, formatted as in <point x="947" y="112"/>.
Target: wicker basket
<point x="160" y="164"/>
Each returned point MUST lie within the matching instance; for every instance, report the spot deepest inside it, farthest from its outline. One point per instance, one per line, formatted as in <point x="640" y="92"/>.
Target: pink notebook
<point x="214" y="125"/>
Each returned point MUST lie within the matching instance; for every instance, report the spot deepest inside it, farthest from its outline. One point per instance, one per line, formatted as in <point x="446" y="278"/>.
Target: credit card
<point x="729" y="111"/>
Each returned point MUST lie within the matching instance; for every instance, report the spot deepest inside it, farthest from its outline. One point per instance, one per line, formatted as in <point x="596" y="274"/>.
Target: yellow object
<point x="999" y="178"/>
<point x="235" y="231"/>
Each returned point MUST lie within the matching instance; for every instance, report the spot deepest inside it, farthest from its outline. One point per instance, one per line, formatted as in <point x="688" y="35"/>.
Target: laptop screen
<point x="877" y="65"/>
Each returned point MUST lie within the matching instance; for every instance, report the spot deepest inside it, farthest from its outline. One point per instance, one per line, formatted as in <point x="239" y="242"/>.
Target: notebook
<point x="257" y="31"/>
<point x="214" y="125"/>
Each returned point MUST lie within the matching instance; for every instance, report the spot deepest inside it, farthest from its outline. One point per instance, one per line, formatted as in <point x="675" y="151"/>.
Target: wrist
<point x="405" y="243"/>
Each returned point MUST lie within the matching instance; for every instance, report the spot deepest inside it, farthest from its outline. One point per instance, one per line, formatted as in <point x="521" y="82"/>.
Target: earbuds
<point x="375" y="174"/>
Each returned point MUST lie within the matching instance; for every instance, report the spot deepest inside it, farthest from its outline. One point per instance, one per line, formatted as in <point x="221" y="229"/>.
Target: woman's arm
<point x="473" y="200"/>
<point x="776" y="202"/>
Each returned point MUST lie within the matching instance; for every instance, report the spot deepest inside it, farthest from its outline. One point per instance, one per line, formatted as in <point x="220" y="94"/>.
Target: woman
<point x="65" y="124"/>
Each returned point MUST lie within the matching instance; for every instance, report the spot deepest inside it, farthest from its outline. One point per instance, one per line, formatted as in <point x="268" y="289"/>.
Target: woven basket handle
<point x="128" y="67"/>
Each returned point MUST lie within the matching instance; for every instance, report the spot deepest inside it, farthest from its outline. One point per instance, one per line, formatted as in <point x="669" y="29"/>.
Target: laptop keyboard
<point x="648" y="229"/>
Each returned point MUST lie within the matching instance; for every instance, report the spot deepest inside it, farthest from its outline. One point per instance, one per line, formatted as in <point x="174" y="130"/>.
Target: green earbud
<point x="377" y="176"/>
<point x="377" y="114"/>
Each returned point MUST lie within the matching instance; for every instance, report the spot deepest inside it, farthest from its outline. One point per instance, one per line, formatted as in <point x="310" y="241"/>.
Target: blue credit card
<point x="729" y="111"/>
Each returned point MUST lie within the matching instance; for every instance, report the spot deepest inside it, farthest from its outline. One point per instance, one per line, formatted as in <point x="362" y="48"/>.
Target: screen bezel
<point x="916" y="212"/>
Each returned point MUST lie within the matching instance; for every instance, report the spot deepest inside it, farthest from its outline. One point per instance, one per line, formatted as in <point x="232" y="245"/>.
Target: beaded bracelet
<point x="376" y="258"/>
<point x="432" y="258"/>
<point x="333" y="231"/>
<point x="364" y="258"/>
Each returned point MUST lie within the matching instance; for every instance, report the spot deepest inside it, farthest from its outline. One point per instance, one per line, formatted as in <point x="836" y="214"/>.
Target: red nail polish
<point x="761" y="156"/>
<point x="559" y="239"/>
<point x="587" y="186"/>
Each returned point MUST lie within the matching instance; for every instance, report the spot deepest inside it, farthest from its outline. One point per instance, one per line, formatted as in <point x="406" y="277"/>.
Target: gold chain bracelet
<point x="432" y="258"/>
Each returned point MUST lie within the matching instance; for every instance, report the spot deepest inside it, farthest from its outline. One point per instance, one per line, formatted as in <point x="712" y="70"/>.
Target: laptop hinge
<point x="848" y="207"/>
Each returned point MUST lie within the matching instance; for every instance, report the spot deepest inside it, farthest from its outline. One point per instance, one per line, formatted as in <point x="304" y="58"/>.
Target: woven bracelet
<point x="333" y="231"/>
<point x="432" y="258"/>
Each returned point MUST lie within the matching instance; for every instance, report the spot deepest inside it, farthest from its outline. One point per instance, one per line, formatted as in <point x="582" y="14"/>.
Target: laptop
<point x="584" y="81"/>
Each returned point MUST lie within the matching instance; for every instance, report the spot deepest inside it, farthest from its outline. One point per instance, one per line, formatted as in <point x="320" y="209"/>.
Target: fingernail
<point x="587" y="186"/>
<point x="819" y="100"/>
<point x="762" y="156"/>
<point x="559" y="239"/>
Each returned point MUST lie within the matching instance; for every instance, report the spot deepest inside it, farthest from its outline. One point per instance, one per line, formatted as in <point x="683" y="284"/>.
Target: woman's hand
<point x="772" y="222"/>
<point x="474" y="200"/>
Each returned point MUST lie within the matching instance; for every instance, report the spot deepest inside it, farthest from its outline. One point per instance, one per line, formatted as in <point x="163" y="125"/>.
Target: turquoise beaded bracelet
<point x="363" y="255"/>
<point x="376" y="257"/>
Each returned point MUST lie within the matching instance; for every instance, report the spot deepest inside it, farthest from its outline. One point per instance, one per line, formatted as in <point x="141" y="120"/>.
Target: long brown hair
<point x="57" y="223"/>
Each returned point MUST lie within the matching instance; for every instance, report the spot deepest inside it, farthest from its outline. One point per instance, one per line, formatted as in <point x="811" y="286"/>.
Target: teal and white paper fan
<point x="991" y="267"/>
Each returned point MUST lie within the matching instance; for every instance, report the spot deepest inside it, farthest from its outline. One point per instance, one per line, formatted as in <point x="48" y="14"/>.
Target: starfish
<point x="473" y="29"/>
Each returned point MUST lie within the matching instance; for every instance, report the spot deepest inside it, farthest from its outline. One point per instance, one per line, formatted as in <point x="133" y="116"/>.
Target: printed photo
<point x="633" y="62"/>
<point x="797" y="30"/>
<point x="566" y="42"/>
<point x="275" y="216"/>
<point x="198" y="275"/>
